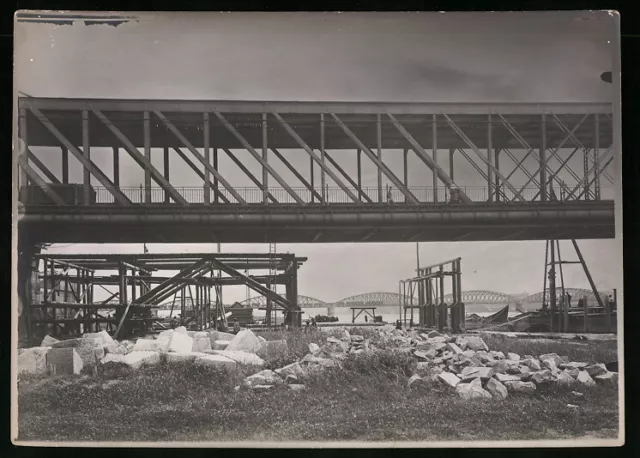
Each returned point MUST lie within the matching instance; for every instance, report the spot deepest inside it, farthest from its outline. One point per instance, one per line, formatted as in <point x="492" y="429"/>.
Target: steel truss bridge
<point x="500" y="142"/>
<point x="378" y="299"/>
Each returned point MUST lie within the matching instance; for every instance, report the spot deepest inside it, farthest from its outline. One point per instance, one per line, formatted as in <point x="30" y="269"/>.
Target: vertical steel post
<point x="359" y="171"/>
<point x="207" y="158"/>
<point x="552" y="285"/>
<point x="405" y="170"/>
<point x="543" y="154"/>
<point x="379" y="143"/>
<point x="489" y="158"/>
<point x="585" y="161"/>
<point x="323" y="178"/>
<point x="166" y="172"/>
<point x="23" y="180"/>
<point x="215" y="179"/>
<point x="65" y="164"/>
<point x="596" y="157"/>
<point x="311" y="171"/>
<point x="265" y="153"/>
<point x="86" y="153"/>
<point x="116" y="166"/>
<point x="434" y="135"/>
<point x="443" y="310"/>
<point x="565" y="302"/>
<point x="605" y="306"/>
<point x="497" y="178"/>
<point x="147" y="155"/>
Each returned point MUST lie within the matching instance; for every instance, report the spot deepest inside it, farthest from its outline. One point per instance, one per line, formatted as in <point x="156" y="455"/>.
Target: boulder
<point x="202" y="334"/>
<point x="64" y="361"/>
<point x="425" y="355"/>
<point x="563" y="378"/>
<point x="484" y="357"/>
<point x="182" y="330"/>
<point x="497" y="389"/>
<point x="148" y="345"/>
<point x="261" y="387"/>
<point x="610" y="378"/>
<point x="449" y="379"/>
<point x="200" y="343"/>
<point x="506" y="378"/>
<point x="596" y="369"/>
<point x="497" y="355"/>
<point x="461" y="342"/>
<point x="242" y="357"/>
<point x="180" y="343"/>
<point x="272" y="348"/>
<point x="297" y="387"/>
<point x="544" y="376"/>
<point x="48" y="341"/>
<point x="113" y="358"/>
<point x="314" y="348"/>
<point x="532" y="364"/>
<point x="346" y="335"/>
<point x="553" y="357"/>
<point x="572" y="372"/>
<point x="424" y="346"/>
<point x="520" y="387"/>
<point x="245" y="340"/>
<point x="585" y="378"/>
<point x="220" y="344"/>
<point x="136" y="359"/>
<point x="472" y="390"/>
<point x="265" y="377"/>
<point x="217" y="361"/>
<point x="500" y="367"/>
<point x="33" y="360"/>
<point x="102" y="336"/>
<point x="550" y="364"/>
<point x="433" y="334"/>
<point x="217" y="335"/>
<point x="454" y="348"/>
<point x="468" y="353"/>
<point x="294" y="369"/>
<point x="177" y="357"/>
<point x="471" y="373"/>
<point x="476" y="343"/>
<point x="513" y="356"/>
<point x="437" y="340"/>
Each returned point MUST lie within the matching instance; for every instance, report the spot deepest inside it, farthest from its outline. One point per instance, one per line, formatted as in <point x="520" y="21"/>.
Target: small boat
<point x="475" y="321"/>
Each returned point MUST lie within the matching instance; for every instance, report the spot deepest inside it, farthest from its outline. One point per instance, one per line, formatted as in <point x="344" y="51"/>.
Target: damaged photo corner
<point x="274" y="230"/>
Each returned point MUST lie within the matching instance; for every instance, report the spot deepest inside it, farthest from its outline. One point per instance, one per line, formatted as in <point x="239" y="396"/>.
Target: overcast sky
<point x="503" y="57"/>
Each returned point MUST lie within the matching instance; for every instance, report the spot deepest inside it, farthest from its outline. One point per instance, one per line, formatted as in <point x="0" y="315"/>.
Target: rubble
<point x="521" y="387"/>
<point x="245" y="340"/>
<point x="240" y="357"/>
<point x="449" y="379"/>
<point x="64" y="361"/>
<point x="218" y="361"/>
<point x="585" y="378"/>
<point x="33" y="360"/>
<point x="472" y="390"/>
<point x="272" y="348"/>
<point x="178" y="357"/>
<point x="497" y="389"/>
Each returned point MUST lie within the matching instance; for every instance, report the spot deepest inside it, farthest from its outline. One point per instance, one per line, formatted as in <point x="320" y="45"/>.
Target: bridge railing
<point x="74" y="195"/>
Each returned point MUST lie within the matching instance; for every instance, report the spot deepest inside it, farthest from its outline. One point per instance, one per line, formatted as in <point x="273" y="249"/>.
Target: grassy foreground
<point x="368" y="399"/>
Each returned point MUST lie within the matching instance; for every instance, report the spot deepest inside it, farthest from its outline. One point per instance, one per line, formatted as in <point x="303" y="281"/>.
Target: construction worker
<point x="174" y="323"/>
<point x="389" y="195"/>
<point x="612" y="303"/>
<point x="313" y="323"/>
<point x="568" y="300"/>
<point x="236" y="326"/>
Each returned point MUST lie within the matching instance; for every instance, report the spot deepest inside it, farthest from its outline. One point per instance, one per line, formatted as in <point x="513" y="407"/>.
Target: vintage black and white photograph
<point x="317" y="229"/>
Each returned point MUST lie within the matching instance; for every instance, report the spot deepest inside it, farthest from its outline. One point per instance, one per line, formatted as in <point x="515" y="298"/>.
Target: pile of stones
<point x="209" y="348"/>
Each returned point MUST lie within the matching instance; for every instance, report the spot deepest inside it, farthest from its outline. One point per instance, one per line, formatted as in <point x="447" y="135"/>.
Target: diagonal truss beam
<point x="88" y="164"/>
<point x="48" y="173"/>
<point x="424" y="156"/>
<point x="197" y="171"/>
<point x="248" y="173"/>
<point x="259" y="158"/>
<point x="296" y="173"/>
<point x="199" y="156"/>
<point x="33" y="176"/>
<point x="584" y="181"/>
<point x="142" y="161"/>
<point x="482" y="173"/>
<point x="475" y="149"/>
<point x="346" y="176"/>
<point x="562" y="165"/>
<point x="171" y="285"/>
<point x="599" y="172"/>
<point x="315" y="157"/>
<point x="376" y="160"/>
<point x="254" y="285"/>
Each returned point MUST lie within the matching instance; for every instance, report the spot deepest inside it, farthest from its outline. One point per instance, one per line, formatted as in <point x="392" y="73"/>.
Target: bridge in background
<point x="379" y="299"/>
<point x="521" y="152"/>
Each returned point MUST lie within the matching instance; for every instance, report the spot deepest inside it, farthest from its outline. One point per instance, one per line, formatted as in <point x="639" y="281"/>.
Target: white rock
<point x="136" y="359"/>
<point x="596" y="369"/>
<point x="532" y="364"/>
<point x="449" y="379"/>
<point x="180" y="343"/>
<point x="608" y="378"/>
<point x="291" y="369"/>
<point x="147" y="345"/>
<point x="506" y="378"/>
<point x="297" y="387"/>
<point x="471" y="373"/>
<point x="497" y="389"/>
<point x="572" y="372"/>
<point x="553" y="357"/>
<point x="102" y="336"/>
<point x="33" y="360"/>
<point x="217" y="335"/>
<point x="201" y="335"/>
<point x="497" y="354"/>
<point x="550" y="364"/>
<point x="476" y="343"/>
<point x="513" y="356"/>
<point x="572" y="365"/>
<point x="472" y="390"/>
<point x="265" y="377"/>
<point x="563" y="378"/>
<point x="242" y="357"/>
<point x="178" y="357"/>
<point x="314" y="348"/>
<point x="245" y="340"/>
<point x="521" y="387"/>
<point x="218" y="361"/>
<point x="585" y="378"/>
<point x="413" y="379"/>
<point x="201" y="344"/>
<point x="261" y="387"/>
<point x="113" y="358"/>
<point x="454" y="348"/>
<point x="220" y="344"/>
<point x="64" y="361"/>
<point x="262" y="339"/>
<point x="543" y="376"/>
<point x="182" y="330"/>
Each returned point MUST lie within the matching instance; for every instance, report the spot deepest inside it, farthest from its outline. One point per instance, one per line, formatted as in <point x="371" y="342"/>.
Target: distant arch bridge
<point x="576" y="294"/>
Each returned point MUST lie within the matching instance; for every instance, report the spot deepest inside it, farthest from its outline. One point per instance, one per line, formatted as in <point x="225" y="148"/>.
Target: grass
<point x="366" y="399"/>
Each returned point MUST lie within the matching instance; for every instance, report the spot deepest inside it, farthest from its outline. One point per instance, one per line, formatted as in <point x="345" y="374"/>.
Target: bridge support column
<point x="489" y="157"/>
<point x="497" y="178"/>
<point x="116" y="166"/>
<point x="27" y="266"/>
<point x="166" y="171"/>
<point x="543" y="158"/>
<point x="379" y="142"/>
